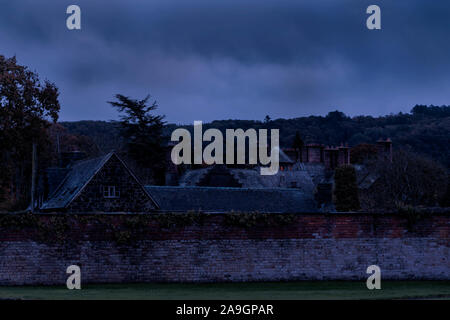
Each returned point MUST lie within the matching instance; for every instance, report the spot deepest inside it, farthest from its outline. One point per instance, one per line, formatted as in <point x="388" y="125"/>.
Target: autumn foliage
<point x="27" y="107"/>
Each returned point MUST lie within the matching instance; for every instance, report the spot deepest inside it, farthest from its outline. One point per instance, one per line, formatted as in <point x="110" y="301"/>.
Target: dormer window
<point x="110" y="192"/>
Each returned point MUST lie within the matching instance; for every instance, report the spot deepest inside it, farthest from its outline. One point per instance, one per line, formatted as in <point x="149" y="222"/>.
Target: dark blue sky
<point x="240" y="59"/>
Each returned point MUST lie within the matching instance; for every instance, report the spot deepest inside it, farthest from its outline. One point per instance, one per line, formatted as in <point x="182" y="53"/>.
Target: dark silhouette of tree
<point x="346" y="189"/>
<point x="143" y="133"/>
<point x="106" y="135"/>
<point x="267" y="119"/>
<point x="63" y="141"/>
<point x="27" y="106"/>
<point x="433" y="111"/>
<point x="445" y="199"/>
<point x="410" y="179"/>
<point x="298" y="145"/>
<point x="427" y="132"/>
<point x="336" y="116"/>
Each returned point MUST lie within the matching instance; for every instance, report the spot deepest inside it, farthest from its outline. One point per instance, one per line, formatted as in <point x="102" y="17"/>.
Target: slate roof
<point x="54" y="178"/>
<point x="79" y="175"/>
<point x="316" y="171"/>
<point x="192" y="177"/>
<point x="219" y="199"/>
<point x="283" y="179"/>
<point x="77" y="178"/>
<point x="266" y="197"/>
<point x="252" y="178"/>
<point x="284" y="158"/>
<point x="365" y="178"/>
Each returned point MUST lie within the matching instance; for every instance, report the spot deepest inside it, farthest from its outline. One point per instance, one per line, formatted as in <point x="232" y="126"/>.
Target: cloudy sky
<point x="238" y="59"/>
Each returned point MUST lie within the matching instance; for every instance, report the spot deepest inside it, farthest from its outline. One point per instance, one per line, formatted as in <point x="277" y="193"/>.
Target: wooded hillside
<point x="426" y="130"/>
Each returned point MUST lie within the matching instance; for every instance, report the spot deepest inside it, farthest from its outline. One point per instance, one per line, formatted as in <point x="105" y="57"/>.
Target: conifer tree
<point x="143" y="132"/>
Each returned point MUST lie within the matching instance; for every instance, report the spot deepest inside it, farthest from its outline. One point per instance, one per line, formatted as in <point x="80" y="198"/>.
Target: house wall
<point x="344" y="156"/>
<point x="314" y="153"/>
<point x="331" y="157"/>
<point x="132" y="196"/>
<point x="312" y="247"/>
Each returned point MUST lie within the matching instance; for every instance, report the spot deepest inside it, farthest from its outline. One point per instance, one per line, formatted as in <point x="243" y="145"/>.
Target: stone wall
<point x="310" y="247"/>
<point x="132" y="196"/>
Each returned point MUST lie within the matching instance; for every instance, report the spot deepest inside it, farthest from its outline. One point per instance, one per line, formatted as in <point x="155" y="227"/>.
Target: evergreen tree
<point x="143" y="133"/>
<point x="445" y="200"/>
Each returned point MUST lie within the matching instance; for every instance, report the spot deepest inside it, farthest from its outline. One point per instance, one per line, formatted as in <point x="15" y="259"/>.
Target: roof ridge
<point x="225" y="188"/>
<point x="102" y="157"/>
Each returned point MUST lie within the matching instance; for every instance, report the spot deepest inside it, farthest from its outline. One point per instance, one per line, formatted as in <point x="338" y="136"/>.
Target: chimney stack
<point x="384" y="148"/>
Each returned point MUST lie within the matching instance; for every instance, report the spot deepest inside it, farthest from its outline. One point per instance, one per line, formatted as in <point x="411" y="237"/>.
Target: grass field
<point x="239" y="291"/>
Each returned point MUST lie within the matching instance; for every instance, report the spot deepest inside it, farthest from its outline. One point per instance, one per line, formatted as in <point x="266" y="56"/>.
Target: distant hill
<point x="106" y="135"/>
<point x="426" y="129"/>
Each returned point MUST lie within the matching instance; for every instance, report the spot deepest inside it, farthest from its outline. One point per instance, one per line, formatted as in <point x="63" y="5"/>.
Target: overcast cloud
<point x="221" y="59"/>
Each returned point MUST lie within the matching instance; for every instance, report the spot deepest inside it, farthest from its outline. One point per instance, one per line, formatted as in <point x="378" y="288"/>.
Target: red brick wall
<point x="319" y="246"/>
<point x="314" y="154"/>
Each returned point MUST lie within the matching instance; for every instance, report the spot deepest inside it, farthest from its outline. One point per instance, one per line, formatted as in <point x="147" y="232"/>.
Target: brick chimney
<point x="344" y="155"/>
<point x="331" y="156"/>
<point x="313" y="153"/>
<point x="384" y="148"/>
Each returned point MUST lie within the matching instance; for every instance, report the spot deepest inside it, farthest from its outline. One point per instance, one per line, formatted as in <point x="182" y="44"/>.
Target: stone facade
<point x="332" y="157"/>
<point x="131" y="196"/>
<point x="312" y="247"/>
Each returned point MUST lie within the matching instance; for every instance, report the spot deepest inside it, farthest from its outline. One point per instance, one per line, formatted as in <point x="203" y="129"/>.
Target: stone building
<point x="103" y="184"/>
<point x="106" y="184"/>
<point x="309" y="170"/>
<point x="330" y="157"/>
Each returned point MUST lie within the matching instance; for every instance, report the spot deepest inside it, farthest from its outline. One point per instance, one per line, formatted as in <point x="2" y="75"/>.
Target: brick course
<point x="313" y="247"/>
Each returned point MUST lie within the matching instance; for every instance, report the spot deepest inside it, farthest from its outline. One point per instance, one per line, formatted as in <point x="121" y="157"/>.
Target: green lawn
<point x="279" y="290"/>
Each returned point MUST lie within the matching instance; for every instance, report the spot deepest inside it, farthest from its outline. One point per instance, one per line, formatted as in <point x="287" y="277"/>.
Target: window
<point x="110" y="192"/>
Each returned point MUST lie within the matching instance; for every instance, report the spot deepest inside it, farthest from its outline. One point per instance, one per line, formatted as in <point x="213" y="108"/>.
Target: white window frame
<point x="110" y="192"/>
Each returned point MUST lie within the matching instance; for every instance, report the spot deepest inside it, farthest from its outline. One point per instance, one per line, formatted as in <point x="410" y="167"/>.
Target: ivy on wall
<point x="130" y="228"/>
<point x="411" y="214"/>
<point x="57" y="227"/>
<point x="248" y="220"/>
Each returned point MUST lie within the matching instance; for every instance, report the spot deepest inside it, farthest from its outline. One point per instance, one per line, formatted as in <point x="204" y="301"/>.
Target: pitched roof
<point x="192" y="177"/>
<point x="283" y="179"/>
<point x="252" y="178"/>
<point x="284" y="158"/>
<point x="77" y="178"/>
<point x="316" y="171"/>
<point x="364" y="177"/>
<point x="219" y="199"/>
